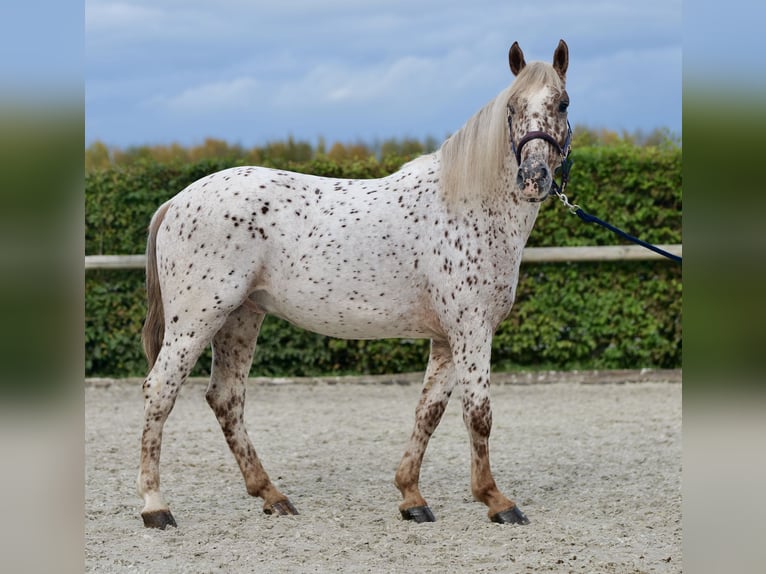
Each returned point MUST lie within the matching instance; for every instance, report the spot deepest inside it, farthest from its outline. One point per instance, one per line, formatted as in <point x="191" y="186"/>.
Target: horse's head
<point x="537" y="119"/>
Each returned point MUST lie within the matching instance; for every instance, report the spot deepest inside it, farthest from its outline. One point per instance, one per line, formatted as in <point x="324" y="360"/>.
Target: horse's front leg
<point x="472" y="367"/>
<point x="437" y="388"/>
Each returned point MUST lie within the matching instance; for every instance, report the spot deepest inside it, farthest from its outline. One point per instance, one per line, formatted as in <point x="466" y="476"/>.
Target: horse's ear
<point x="516" y="59"/>
<point x="561" y="59"/>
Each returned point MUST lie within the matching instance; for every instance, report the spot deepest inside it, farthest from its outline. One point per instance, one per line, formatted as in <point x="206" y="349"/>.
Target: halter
<point x="562" y="169"/>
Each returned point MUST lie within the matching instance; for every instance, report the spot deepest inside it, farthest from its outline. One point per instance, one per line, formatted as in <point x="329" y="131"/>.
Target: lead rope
<point x="588" y="218"/>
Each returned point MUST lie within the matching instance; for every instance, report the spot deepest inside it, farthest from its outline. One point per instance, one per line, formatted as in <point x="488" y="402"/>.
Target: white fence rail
<point x="531" y="255"/>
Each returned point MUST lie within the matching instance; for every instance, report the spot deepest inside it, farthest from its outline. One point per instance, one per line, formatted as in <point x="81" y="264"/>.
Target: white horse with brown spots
<point x="432" y="250"/>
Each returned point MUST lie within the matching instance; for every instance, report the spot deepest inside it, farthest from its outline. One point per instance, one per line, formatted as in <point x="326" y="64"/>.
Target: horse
<point x="431" y="251"/>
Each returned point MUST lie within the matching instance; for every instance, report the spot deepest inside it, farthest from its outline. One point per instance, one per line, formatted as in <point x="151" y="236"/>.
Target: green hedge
<point x="585" y="315"/>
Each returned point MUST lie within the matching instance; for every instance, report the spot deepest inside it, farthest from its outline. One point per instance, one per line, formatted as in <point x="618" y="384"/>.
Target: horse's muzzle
<point x="534" y="179"/>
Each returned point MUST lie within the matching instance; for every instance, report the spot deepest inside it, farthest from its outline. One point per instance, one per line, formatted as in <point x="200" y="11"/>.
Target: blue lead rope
<point x="588" y="218"/>
<point x="558" y="191"/>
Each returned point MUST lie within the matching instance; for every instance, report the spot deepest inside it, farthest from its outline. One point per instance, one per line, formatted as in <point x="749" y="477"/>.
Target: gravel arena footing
<point x="593" y="458"/>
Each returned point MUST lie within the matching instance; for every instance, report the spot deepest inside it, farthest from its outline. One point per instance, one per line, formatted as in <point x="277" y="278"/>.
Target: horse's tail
<point x="154" y="326"/>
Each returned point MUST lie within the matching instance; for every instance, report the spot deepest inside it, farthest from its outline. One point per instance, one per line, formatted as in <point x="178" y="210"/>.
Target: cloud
<point x="345" y="69"/>
<point x="339" y="84"/>
<point x="145" y="24"/>
<point x="108" y="17"/>
<point x="232" y="95"/>
<point x="397" y="77"/>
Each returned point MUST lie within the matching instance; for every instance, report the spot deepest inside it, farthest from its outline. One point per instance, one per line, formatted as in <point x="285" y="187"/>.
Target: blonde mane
<point x="474" y="159"/>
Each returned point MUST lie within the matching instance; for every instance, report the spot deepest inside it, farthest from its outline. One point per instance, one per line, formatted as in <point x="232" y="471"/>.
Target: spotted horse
<point x="431" y="251"/>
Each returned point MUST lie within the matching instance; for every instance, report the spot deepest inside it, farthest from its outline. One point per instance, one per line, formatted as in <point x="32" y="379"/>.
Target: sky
<point x="248" y="72"/>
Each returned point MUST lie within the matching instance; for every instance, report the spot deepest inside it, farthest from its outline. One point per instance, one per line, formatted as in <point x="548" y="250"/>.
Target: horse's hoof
<point x="158" y="519"/>
<point x="281" y="508"/>
<point x="511" y="516"/>
<point x="419" y="514"/>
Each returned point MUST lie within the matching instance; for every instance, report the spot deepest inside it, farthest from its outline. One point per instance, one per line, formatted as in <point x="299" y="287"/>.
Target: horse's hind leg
<point x="174" y="362"/>
<point x="233" y="348"/>
<point x="437" y="388"/>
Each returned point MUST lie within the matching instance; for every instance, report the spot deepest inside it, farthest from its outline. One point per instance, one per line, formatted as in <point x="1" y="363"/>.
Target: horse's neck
<point x="503" y="208"/>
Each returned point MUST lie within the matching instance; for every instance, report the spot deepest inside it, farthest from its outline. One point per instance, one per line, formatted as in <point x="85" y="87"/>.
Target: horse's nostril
<point x="534" y="178"/>
<point x="533" y="169"/>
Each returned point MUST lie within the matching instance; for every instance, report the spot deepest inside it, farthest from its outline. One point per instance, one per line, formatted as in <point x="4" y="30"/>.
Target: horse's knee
<point x="227" y="406"/>
<point x="477" y="416"/>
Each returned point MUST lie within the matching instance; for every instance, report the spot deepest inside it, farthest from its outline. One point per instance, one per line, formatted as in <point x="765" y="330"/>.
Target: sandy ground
<point x="596" y="468"/>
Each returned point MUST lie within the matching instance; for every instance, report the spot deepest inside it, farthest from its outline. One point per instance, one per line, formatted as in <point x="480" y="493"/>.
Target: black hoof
<point x="419" y="514"/>
<point x="511" y="516"/>
<point x="158" y="519"/>
<point x="281" y="508"/>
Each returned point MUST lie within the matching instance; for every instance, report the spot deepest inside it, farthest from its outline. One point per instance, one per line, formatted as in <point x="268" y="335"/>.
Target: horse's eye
<point x="563" y="105"/>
